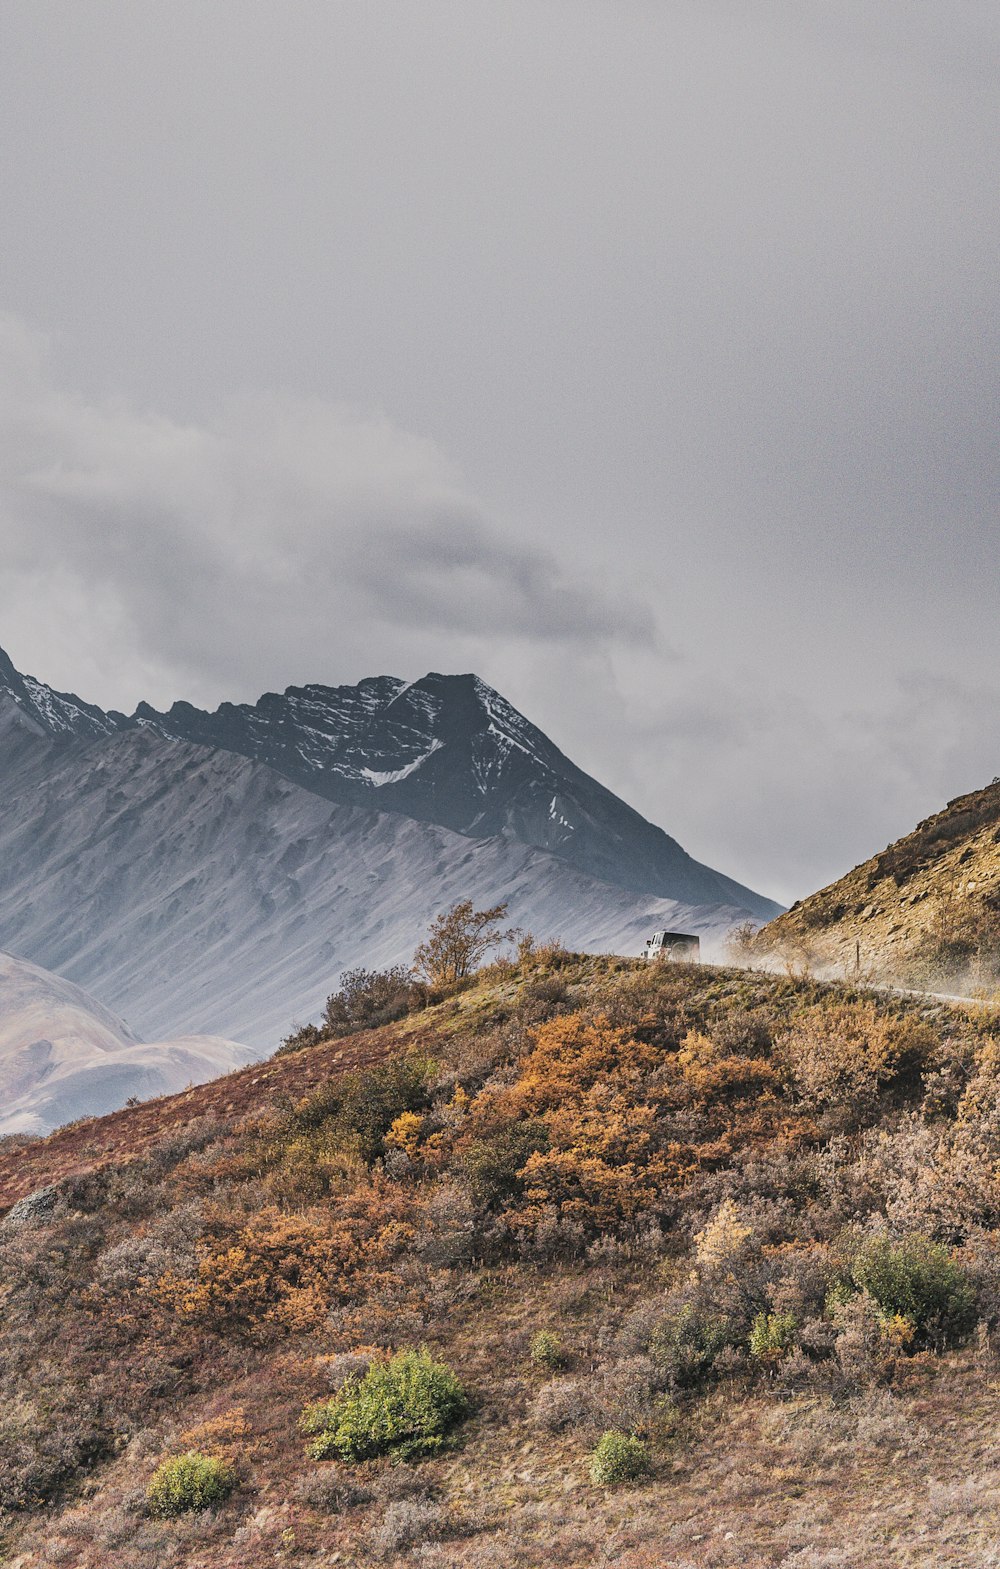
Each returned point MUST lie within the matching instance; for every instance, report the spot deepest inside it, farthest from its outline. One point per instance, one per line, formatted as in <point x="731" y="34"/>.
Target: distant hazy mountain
<point x="63" y="1055"/>
<point x="193" y="889"/>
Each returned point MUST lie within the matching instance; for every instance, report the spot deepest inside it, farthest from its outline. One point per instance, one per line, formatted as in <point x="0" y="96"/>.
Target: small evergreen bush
<point x="917" y="1280"/>
<point x="547" y="1351"/>
<point x="188" y="1482"/>
<point x="772" y="1337"/>
<point x="618" y="1458"/>
<point x="407" y="1405"/>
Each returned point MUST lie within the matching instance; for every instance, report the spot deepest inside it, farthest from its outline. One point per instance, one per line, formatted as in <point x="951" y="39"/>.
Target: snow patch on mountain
<point x="397" y="774"/>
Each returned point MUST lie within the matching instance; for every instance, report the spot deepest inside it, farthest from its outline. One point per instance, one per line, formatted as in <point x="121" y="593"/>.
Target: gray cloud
<point x="282" y="536"/>
<point x="692" y="303"/>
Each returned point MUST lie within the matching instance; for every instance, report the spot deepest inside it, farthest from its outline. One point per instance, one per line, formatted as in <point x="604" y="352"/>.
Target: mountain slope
<point x="63" y="1055"/>
<point x="447" y="750"/>
<point x="194" y="890"/>
<point x="712" y="1248"/>
<point x="450" y="750"/>
<point x="925" y="910"/>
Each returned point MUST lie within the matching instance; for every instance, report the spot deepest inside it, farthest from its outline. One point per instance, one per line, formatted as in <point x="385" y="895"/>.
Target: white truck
<point x="681" y="947"/>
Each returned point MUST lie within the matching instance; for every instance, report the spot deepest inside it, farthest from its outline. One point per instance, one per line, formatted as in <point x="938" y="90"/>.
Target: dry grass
<point x="820" y="1463"/>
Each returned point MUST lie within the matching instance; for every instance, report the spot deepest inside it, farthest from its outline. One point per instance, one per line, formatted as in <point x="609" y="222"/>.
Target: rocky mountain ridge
<point x="447" y="750"/>
<point x="192" y="889"/>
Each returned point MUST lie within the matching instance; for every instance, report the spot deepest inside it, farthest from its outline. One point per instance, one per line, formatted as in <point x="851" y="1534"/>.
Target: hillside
<point x="194" y="890"/>
<point x="63" y="1056"/>
<point x="745" y="1221"/>
<point x="924" y="912"/>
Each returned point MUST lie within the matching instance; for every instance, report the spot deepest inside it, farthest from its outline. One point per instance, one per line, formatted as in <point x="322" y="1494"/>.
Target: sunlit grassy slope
<point x="747" y="1221"/>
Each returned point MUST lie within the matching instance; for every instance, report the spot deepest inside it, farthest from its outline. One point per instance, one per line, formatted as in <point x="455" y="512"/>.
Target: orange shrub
<point x="713" y="1073"/>
<point x="841" y="1054"/>
<point x="282" y="1273"/>
<point x="571" y="1054"/>
<point x="277" y="1272"/>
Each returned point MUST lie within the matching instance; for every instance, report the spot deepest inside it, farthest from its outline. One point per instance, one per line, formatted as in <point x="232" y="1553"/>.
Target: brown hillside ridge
<point x="594" y="1261"/>
<point x="123" y="1135"/>
<point x="925" y="912"/>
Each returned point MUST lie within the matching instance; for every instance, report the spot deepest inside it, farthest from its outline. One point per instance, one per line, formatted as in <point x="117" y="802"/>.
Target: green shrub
<point x="618" y="1458"/>
<point x="407" y="1405"/>
<point x="918" y="1280"/>
<point x="189" y="1481"/>
<point x="686" y="1342"/>
<point x="547" y="1351"/>
<point x="362" y="1107"/>
<point x="493" y="1165"/>
<point x="772" y="1336"/>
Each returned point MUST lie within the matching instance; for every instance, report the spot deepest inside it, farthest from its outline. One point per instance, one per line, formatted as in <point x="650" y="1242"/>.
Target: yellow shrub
<point x="279" y="1272"/>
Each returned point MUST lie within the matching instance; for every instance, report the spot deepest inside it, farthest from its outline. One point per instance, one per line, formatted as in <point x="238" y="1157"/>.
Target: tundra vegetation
<point x="924" y="913"/>
<point x="576" y="1260"/>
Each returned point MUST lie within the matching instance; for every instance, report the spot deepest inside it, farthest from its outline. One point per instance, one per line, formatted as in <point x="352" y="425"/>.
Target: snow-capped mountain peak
<point x="57" y="713"/>
<point x="445" y="749"/>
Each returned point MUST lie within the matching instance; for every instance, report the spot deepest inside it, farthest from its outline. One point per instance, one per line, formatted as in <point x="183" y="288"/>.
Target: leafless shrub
<point x="405" y="1524"/>
<point x="116" y="1526"/>
<point x="881" y="1421"/>
<point x="841" y="1054"/>
<point x="559" y="1404"/>
<point x="818" y="1431"/>
<point x="400" y="1167"/>
<point x="329" y="1492"/>
<point x="861" y="1353"/>
<point x="168" y="1243"/>
<point x="795" y="1371"/>
<point x="636" y="1330"/>
<point x="824" y="1558"/>
<point x="622" y="1393"/>
<point x="451" y="1234"/>
<point x="400" y="1481"/>
<point x="337" y="1369"/>
<point x="499" y="1552"/>
<point x="194" y="1137"/>
<point x="813" y="1431"/>
<point x="571" y="1294"/>
<point x="966" y="1499"/>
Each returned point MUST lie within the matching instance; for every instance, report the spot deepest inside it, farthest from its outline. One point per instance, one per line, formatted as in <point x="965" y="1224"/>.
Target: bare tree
<point x="459" y="940"/>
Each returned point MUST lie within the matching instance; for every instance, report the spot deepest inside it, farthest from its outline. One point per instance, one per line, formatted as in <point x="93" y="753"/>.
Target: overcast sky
<point x="641" y="357"/>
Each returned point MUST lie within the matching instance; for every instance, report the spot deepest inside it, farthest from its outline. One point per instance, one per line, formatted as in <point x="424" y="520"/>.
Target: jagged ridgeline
<point x="216" y="872"/>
